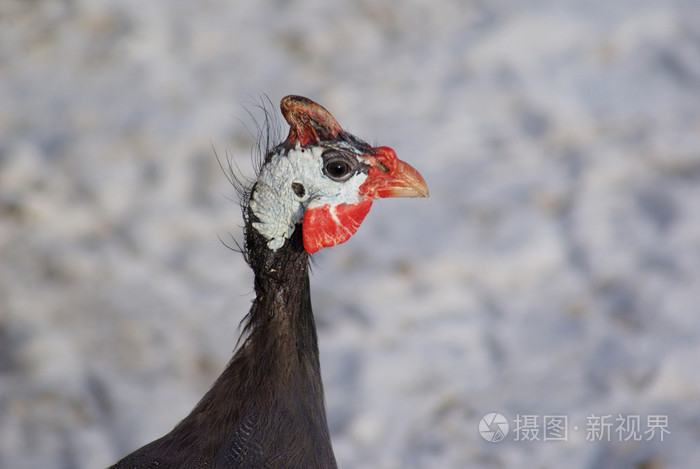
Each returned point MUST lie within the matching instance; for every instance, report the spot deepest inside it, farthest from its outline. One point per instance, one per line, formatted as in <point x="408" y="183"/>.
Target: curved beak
<point x="403" y="181"/>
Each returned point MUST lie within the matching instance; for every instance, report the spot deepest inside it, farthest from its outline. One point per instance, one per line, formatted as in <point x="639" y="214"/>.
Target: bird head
<point x="324" y="178"/>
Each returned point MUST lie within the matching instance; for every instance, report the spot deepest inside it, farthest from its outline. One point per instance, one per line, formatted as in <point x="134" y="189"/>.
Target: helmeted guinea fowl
<point x="267" y="407"/>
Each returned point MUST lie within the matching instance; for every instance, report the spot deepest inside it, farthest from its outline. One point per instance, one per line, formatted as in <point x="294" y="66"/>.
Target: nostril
<point x="382" y="167"/>
<point x="385" y="159"/>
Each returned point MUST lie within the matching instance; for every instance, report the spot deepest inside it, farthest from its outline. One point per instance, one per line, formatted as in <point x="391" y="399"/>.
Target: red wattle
<point x="328" y="225"/>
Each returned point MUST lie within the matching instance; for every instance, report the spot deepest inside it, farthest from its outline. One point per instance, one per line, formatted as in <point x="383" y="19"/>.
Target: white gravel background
<point x="555" y="270"/>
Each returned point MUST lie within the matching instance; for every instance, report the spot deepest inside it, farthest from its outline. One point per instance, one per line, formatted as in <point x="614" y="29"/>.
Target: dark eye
<point x="337" y="167"/>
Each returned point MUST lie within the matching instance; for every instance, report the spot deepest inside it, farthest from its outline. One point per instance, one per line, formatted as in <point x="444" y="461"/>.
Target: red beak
<point x="404" y="181"/>
<point x="391" y="177"/>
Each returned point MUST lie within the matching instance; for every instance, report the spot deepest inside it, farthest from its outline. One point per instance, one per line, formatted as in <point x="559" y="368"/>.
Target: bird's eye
<point x="337" y="168"/>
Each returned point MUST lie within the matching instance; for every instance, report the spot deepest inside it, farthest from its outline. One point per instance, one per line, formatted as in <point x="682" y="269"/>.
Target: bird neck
<point x="270" y="396"/>
<point x="281" y="319"/>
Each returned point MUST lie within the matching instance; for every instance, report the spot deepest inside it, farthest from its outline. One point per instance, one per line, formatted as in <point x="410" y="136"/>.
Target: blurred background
<point x="555" y="270"/>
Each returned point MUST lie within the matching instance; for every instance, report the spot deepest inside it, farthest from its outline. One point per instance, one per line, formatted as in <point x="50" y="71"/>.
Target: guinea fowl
<point x="267" y="407"/>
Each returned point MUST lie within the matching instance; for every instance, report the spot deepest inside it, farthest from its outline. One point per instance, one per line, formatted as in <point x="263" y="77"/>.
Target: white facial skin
<point x="276" y="204"/>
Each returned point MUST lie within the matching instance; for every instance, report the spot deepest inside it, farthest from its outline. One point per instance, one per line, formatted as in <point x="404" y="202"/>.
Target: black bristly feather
<point x="267" y="134"/>
<point x="267" y="407"/>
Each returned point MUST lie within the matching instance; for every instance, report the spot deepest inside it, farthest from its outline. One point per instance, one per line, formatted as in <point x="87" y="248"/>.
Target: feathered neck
<point x="283" y="298"/>
<point x="269" y="400"/>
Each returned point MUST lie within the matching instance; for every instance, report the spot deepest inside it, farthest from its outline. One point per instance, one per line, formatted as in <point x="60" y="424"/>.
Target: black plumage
<point x="267" y="407"/>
